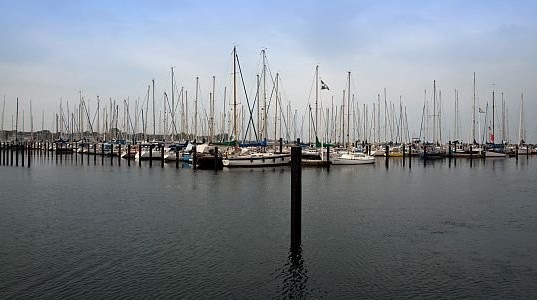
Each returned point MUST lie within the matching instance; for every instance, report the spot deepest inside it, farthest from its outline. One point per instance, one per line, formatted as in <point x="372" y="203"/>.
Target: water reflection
<point x="294" y="274"/>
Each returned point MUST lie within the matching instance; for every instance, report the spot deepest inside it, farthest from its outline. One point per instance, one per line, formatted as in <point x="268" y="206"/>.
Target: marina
<point x="455" y="228"/>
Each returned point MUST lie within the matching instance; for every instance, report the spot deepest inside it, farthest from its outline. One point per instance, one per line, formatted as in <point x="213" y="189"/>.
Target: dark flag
<point x="324" y="86"/>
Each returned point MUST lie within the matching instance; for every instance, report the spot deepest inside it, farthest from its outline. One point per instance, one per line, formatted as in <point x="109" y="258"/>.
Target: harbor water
<point x="444" y="230"/>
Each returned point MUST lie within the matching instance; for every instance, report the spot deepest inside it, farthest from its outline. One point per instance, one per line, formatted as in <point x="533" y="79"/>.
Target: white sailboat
<point x="247" y="157"/>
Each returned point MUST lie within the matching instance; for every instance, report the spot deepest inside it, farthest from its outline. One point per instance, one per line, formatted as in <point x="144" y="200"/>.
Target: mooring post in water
<point x="150" y="156"/>
<point x="471" y="153"/>
<point x="17" y="154"/>
<point x="12" y="150"/>
<point x="527" y="151"/>
<point x="119" y="155"/>
<point x="450" y="151"/>
<point x="296" y="195"/>
<point x="111" y="154"/>
<point x="23" y="148"/>
<point x="327" y="154"/>
<point x="404" y="154"/>
<point x="176" y="158"/>
<point x="29" y="149"/>
<point x="140" y="155"/>
<point x="387" y="154"/>
<point x="216" y="158"/>
<point x="162" y="156"/>
<point x="281" y="145"/>
<point x="410" y="156"/>
<point x="194" y="158"/>
<point x="516" y="152"/>
<point x="94" y="154"/>
<point x="471" y="156"/>
<point x="129" y="155"/>
<point x="102" y="154"/>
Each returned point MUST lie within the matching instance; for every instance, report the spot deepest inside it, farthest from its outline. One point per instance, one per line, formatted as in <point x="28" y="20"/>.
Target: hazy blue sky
<point x="52" y="49"/>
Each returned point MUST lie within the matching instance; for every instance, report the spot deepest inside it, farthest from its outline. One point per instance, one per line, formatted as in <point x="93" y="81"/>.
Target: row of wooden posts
<point x="16" y="153"/>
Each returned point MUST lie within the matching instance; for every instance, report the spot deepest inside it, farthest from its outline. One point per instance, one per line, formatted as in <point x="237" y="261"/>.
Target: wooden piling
<point x="29" y="149"/>
<point x="281" y="145"/>
<point x="404" y="154"/>
<point x="23" y="148"/>
<point x="140" y="155"/>
<point x="12" y="150"/>
<point x="16" y="154"/>
<point x="194" y="158"/>
<point x="162" y="156"/>
<point x="119" y="155"/>
<point x="111" y="154"/>
<point x="410" y="156"/>
<point x="129" y="155"/>
<point x="471" y="156"/>
<point x="296" y="195"/>
<point x="94" y="154"/>
<point x="516" y="152"/>
<point x="216" y="157"/>
<point x="150" y="156"/>
<point x="176" y="158"/>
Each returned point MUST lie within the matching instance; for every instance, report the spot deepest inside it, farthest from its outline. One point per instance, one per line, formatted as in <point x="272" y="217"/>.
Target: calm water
<point x="85" y="231"/>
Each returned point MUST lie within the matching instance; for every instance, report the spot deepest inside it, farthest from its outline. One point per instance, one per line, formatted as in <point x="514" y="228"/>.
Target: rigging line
<point x="250" y="109"/>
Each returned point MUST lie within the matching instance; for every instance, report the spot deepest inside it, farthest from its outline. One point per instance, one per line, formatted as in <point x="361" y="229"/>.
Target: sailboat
<point x="433" y="151"/>
<point x="351" y="157"/>
<point x="248" y="156"/>
<point x="493" y="150"/>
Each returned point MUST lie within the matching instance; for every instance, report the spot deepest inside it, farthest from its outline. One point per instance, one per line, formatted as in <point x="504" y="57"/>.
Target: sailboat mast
<point x="503" y="121"/>
<point x="3" y="113"/>
<point x="521" y="129"/>
<point x="264" y="131"/>
<point x="31" y="122"/>
<point x="348" y="109"/>
<point x="17" y="121"/>
<point x="235" y="132"/>
<point x="211" y="129"/>
<point x="493" y="111"/>
<point x="276" y="112"/>
<point x="154" y="113"/>
<point x="196" y="110"/>
<point x="434" y="111"/>
<point x="473" y="113"/>
<point x="316" y="98"/>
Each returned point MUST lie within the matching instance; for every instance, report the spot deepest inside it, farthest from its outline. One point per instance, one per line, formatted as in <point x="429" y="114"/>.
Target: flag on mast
<point x="324" y="86"/>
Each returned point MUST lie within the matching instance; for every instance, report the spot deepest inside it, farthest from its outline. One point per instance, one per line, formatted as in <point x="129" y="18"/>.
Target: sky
<point x="52" y="50"/>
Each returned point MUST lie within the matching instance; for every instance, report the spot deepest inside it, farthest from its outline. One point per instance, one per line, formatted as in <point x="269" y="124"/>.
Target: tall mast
<point x="434" y="111"/>
<point x="521" y="129"/>
<point x="493" y="136"/>
<point x="196" y="110"/>
<point x="503" y="121"/>
<point x="154" y="113"/>
<point x="378" y="119"/>
<point x="276" y="113"/>
<point x="349" y="109"/>
<point x="264" y="113"/>
<point x="31" y="122"/>
<point x="3" y="112"/>
<point x="473" y="114"/>
<point x="385" y="117"/>
<point x="316" y="98"/>
<point x="211" y="108"/>
<point x="17" y="121"/>
<point x="235" y="129"/>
